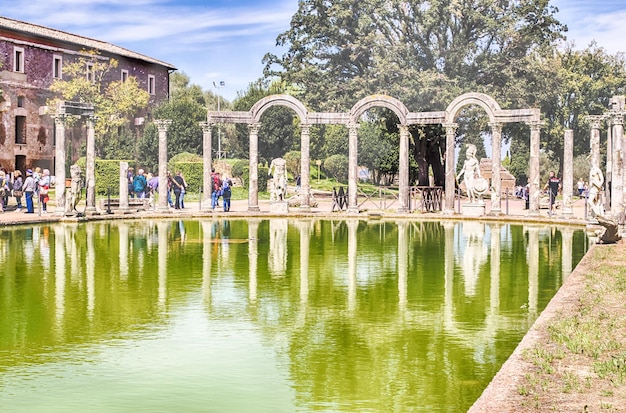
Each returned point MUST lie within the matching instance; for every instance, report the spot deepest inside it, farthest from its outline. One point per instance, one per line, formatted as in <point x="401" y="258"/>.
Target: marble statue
<point x="278" y="172"/>
<point x="475" y="184"/>
<point x="596" y="180"/>
<point x="74" y="193"/>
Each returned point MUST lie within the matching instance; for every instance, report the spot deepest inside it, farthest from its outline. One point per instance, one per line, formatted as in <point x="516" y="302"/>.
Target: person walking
<point x="44" y="187"/>
<point x="177" y="185"/>
<point x="226" y="193"/>
<point x="4" y="190"/>
<point x="554" y="185"/>
<point x="29" y="191"/>
<point x="17" y="189"/>
<point x="183" y="190"/>
<point x="139" y="184"/>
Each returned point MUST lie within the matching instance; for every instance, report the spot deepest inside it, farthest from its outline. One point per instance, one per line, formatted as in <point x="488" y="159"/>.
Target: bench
<point x="136" y="204"/>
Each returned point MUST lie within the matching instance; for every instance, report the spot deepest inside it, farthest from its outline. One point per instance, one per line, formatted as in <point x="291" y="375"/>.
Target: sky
<point x="225" y="40"/>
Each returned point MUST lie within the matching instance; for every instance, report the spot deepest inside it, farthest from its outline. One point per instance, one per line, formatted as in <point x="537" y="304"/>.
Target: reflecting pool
<point x="272" y="315"/>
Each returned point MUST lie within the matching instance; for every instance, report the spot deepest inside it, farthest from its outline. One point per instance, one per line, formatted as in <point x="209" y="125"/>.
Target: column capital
<point x="60" y="118"/>
<point x="448" y="126"/>
<point x="305" y="128"/>
<point x="595" y="120"/>
<point x="162" y="124"/>
<point x="403" y="128"/>
<point x="254" y="128"/>
<point x="496" y="126"/>
<point x="536" y="125"/>
<point x="617" y="117"/>
<point x="206" y="126"/>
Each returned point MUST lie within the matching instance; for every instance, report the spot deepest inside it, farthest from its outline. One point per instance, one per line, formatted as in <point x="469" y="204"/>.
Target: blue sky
<point x="225" y="40"/>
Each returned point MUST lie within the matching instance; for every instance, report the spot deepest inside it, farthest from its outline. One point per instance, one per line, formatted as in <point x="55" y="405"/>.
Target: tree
<point x="186" y="109"/>
<point x="116" y="102"/>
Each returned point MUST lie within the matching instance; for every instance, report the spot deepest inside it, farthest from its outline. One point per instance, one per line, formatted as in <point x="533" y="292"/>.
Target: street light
<point x="219" y="131"/>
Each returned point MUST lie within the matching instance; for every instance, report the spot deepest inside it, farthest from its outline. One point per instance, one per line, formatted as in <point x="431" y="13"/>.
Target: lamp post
<point x="219" y="131"/>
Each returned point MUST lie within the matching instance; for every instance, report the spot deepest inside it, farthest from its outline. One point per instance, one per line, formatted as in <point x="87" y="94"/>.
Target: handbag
<point x="17" y="193"/>
<point x="43" y="190"/>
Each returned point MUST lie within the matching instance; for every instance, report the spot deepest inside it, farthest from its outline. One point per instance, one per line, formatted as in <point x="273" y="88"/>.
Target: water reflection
<point x="313" y="314"/>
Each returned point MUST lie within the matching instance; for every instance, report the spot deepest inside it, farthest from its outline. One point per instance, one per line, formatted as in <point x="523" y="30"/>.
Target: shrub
<point x="292" y="160"/>
<point x="337" y="167"/>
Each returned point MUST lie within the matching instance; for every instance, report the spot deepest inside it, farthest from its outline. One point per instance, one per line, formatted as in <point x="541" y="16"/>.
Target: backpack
<point x="138" y="184"/>
<point x="216" y="183"/>
<point x="226" y="191"/>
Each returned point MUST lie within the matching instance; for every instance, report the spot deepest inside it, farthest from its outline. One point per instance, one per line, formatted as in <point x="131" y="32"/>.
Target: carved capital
<point x="595" y="121"/>
<point x="496" y="126"/>
<point x="617" y="117"/>
<point x="305" y="129"/>
<point x="162" y="124"/>
<point x="535" y="126"/>
<point x="254" y="128"/>
<point x="206" y="127"/>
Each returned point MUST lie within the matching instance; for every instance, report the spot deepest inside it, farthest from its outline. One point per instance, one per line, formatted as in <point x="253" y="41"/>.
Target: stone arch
<point x="384" y="101"/>
<point x="278" y="100"/>
<point x="489" y="105"/>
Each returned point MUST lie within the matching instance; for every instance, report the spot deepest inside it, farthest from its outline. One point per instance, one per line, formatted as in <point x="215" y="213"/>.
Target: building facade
<point x="32" y="57"/>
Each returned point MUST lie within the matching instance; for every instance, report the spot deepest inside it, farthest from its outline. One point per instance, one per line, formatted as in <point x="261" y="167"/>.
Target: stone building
<point x="32" y="57"/>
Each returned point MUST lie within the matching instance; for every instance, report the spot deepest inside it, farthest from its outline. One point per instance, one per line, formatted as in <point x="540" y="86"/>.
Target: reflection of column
<point x="496" y="155"/>
<point x="475" y="254"/>
<point x="90" y="170"/>
<point x="448" y="207"/>
<point x="162" y="126"/>
<point x="253" y="257"/>
<point x="449" y="259"/>
<point x="123" y="235"/>
<point x="278" y="246"/>
<point x="253" y="193"/>
<point x="403" y="171"/>
<point x="353" y="130"/>
<point x="533" y="176"/>
<point x="91" y="271"/>
<point x="123" y="183"/>
<point x="162" y="263"/>
<point x="305" y="235"/>
<point x="207" y="157"/>
<point x="305" y="168"/>
<point x="568" y="172"/>
<point x="495" y="266"/>
<point x="567" y="235"/>
<point x="353" y="225"/>
<point x="59" y="160"/>
<point x="59" y="277"/>
<point x="206" y="262"/>
<point x="533" y="268"/>
<point x="403" y="263"/>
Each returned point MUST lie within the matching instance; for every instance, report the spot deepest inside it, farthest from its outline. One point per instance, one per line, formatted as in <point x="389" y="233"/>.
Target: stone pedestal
<point x="473" y="210"/>
<point x="281" y="207"/>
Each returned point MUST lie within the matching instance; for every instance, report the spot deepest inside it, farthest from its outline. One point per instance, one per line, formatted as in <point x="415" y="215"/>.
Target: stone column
<point x="403" y="170"/>
<point x="163" y="125"/>
<point x="448" y="207"/>
<point x="253" y="197"/>
<point x="535" y="134"/>
<point x="90" y="170"/>
<point x="594" y="138"/>
<point x="305" y="168"/>
<point x="617" y="186"/>
<point x="207" y="159"/>
<point x="496" y="158"/>
<point x="59" y="171"/>
<point x="123" y="183"/>
<point x="608" y="181"/>
<point x="568" y="173"/>
<point x="352" y="167"/>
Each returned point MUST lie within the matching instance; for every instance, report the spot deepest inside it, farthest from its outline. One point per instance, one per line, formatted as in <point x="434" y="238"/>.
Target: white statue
<point x="475" y="184"/>
<point x="596" y="180"/>
<point x="278" y="172"/>
<point x="74" y="193"/>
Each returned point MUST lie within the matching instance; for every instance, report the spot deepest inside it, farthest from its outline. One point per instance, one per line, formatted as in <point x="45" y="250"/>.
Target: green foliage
<point x="263" y="171"/>
<point x="108" y="176"/>
<point x="337" y="167"/>
<point x="241" y="169"/>
<point x="116" y="103"/>
<point x="292" y="159"/>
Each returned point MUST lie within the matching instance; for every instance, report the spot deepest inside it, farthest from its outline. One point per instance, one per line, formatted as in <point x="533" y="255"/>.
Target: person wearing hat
<point x="29" y="190"/>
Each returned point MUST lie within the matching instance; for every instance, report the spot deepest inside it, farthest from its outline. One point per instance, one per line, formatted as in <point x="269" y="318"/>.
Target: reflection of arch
<point x="278" y="100"/>
<point x="480" y="99"/>
<point x="384" y="101"/>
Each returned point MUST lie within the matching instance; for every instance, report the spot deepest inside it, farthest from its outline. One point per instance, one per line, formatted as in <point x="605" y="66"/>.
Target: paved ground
<point x="512" y="209"/>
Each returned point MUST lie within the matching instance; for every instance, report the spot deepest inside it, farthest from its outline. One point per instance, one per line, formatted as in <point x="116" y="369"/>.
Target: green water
<point x="268" y="315"/>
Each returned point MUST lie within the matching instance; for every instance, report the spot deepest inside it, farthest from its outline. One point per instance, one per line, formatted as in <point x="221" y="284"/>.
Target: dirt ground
<point x="574" y="357"/>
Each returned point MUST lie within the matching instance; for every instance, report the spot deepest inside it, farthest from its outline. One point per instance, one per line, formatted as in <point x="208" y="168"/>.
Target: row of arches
<point x="497" y="118"/>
